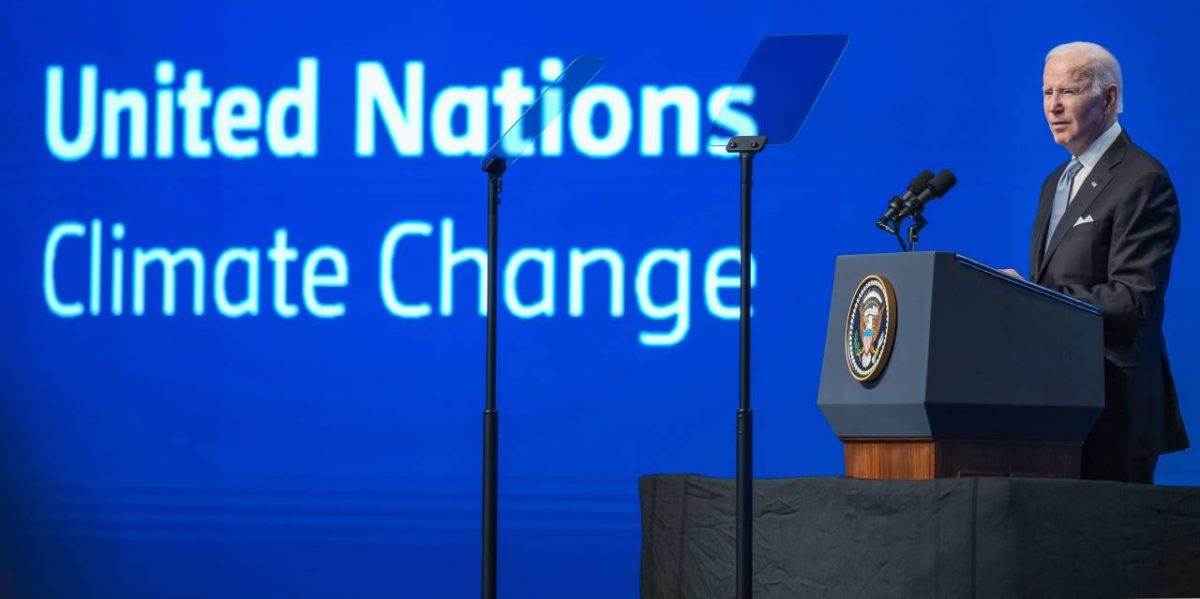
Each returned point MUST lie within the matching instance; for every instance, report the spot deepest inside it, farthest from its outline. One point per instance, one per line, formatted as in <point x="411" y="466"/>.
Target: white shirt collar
<point x="1092" y="155"/>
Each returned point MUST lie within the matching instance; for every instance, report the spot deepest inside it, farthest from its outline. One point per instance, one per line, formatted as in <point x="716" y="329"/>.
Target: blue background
<point x="205" y="456"/>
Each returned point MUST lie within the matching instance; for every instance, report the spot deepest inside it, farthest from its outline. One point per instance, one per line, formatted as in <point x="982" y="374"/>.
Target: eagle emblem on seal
<point x="870" y="328"/>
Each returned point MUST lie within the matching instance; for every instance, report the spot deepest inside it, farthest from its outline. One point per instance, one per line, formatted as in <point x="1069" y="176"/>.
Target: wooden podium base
<point x="923" y="459"/>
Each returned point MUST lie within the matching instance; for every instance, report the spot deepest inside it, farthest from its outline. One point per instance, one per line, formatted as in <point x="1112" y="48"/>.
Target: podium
<point x="937" y="366"/>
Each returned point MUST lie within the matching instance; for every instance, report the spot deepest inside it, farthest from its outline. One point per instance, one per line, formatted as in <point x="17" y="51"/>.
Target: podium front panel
<point x="976" y="355"/>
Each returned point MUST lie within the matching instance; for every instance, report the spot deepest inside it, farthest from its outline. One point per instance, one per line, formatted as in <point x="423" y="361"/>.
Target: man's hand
<point x="1012" y="273"/>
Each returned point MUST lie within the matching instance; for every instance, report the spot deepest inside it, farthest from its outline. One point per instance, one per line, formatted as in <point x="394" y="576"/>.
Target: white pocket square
<point x="1083" y="220"/>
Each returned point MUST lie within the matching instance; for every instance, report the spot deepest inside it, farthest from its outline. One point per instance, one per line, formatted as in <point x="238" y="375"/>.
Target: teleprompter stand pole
<point x="746" y="146"/>
<point x="495" y="168"/>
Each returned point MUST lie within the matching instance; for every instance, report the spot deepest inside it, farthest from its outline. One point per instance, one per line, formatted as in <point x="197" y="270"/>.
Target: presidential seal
<point x="870" y="328"/>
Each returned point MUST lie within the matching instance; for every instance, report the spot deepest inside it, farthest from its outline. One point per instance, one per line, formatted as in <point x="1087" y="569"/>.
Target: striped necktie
<point x="1062" y="196"/>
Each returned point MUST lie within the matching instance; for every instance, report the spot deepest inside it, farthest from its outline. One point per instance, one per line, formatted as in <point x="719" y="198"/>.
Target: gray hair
<point x="1099" y="66"/>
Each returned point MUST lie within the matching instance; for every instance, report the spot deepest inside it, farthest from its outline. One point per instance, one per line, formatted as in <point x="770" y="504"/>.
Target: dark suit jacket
<point x="1121" y="263"/>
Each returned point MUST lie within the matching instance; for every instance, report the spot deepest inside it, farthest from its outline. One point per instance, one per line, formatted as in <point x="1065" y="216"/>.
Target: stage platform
<point x="964" y="537"/>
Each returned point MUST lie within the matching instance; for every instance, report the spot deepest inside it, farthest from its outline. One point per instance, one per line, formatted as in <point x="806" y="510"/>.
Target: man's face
<point x="1076" y="115"/>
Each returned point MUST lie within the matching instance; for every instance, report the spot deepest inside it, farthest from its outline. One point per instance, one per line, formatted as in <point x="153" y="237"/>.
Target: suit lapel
<point x="1091" y="189"/>
<point x="1096" y="182"/>
<point x="1042" y="221"/>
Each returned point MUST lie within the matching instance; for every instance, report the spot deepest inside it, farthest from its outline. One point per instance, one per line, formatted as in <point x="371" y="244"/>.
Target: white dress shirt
<point x="1092" y="155"/>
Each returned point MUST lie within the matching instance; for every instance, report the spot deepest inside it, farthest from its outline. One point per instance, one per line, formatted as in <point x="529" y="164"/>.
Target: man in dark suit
<point x="1105" y="232"/>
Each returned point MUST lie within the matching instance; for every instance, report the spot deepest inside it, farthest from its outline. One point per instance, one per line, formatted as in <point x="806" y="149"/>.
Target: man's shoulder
<point x="1138" y="161"/>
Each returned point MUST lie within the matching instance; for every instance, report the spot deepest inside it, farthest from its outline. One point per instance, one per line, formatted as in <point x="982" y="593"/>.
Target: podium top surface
<point x="983" y="268"/>
<point x="1050" y="293"/>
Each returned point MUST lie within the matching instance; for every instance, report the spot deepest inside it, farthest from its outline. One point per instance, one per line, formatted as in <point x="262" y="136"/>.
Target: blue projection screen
<point x="243" y="338"/>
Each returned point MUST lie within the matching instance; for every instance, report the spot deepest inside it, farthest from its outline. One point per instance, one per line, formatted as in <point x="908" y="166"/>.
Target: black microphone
<point x="897" y="204"/>
<point x="936" y="188"/>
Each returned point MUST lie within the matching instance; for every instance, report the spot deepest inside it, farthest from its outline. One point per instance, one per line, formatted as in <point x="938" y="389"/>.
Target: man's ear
<point x="1110" y="98"/>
